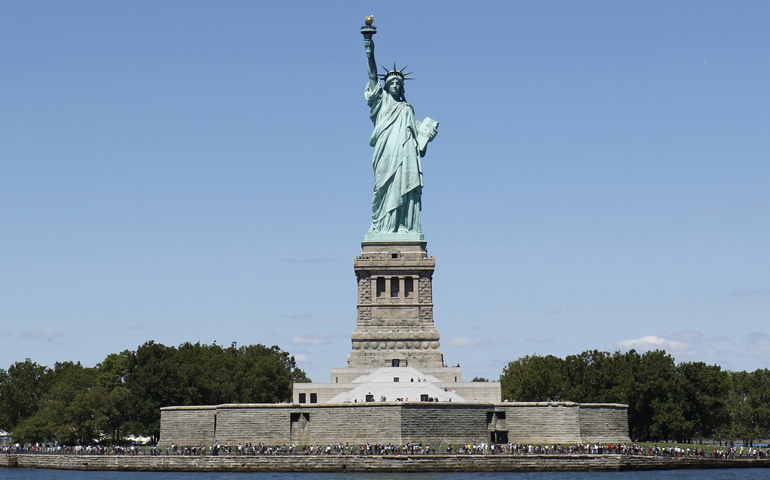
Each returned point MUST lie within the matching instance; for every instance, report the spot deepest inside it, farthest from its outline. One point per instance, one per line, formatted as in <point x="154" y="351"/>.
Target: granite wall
<point x="189" y="425"/>
<point x="545" y="423"/>
<point x="396" y="423"/>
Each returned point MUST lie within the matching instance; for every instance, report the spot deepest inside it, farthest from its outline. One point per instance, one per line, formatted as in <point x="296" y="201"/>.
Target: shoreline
<point x="372" y="463"/>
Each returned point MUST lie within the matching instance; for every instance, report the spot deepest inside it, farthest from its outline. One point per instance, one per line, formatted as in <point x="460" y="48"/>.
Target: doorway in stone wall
<point x="498" y="437"/>
<point x="299" y="431"/>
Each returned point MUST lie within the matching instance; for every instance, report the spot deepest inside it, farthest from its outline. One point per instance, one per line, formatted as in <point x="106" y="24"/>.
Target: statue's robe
<point x="397" y="166"/>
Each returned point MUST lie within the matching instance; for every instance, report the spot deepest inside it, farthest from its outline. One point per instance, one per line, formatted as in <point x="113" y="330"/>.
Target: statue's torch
<point x="368" y="30"/>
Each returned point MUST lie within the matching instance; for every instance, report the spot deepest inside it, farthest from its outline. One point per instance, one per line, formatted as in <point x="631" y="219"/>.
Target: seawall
<point x="385" y="463"/>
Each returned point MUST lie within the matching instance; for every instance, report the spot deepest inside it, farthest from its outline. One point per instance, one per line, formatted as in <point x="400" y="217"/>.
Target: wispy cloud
<point x="297" y="316"/>
<point x="757" y="344"/>
<point x="137" y="327"/>
<point x="539" y="339"/>
<point x="3" y="333"/>
<point x="692" y="343"/>
<point x="41" y="335"/>
<point x="301" y="358"/>
<point x="555" y="312"/>
<point x="687" y="343"/>
<point x="309" y="341"/>
<point x="316" y="339"/>
<point x="653" y="342"/>
<point x="311" y="260"/>
<point x="713" y="352"/>
<point x="464" y="342"/>
<point x="694" y="336"/>
<point x="474" y="342"/>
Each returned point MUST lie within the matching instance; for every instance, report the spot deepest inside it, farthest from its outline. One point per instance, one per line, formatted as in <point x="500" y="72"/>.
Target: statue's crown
<point x="395" y="73"/>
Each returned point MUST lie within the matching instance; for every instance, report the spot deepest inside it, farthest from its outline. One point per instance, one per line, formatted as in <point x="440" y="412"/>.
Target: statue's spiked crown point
<point x="395" y="72"/>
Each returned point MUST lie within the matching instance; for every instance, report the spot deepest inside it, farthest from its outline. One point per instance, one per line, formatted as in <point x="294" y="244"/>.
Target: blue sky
<point x="200" y="171"/>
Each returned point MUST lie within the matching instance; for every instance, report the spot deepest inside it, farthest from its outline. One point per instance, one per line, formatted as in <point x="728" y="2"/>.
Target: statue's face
<point x="395" y="86"/>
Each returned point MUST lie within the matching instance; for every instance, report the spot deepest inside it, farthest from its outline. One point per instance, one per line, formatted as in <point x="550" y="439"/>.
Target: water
<point x="725" y="474"/>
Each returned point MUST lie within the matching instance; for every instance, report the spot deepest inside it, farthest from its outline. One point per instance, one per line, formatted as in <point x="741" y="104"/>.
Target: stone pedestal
<point x="395" y="307"/>
<point x="395" y="354"/>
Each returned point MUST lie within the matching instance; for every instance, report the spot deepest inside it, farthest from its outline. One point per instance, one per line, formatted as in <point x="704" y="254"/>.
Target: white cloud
<point x="301" y="358"/>
<point x="694" y="336"/>
<point x="757" y="344"/>
<point x="714" y="352"/>
<point x="464" y="342"/>
<point x="690" y="343"/>
<point x="41" y="335"/>
<point x="654" y="342"/>
<point x="316" y="339"/>
<point x="760" y="349"/>
<point x="540" y="339"/>
<point x="308" y="341"/>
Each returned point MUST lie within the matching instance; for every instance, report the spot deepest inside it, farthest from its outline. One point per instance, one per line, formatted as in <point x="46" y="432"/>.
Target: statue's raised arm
<point x="368" y="31"/>
<point x="370" y="63"/>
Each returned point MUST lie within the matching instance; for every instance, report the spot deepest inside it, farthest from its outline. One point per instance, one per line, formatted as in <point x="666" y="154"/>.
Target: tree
<point x="533" y="379"/>
<point x="706" y="389"/>
<point x="33" y="429"/>
<point x="124" y="393"/>
<point x="70" y="411"/>
<point x="152" y="381"/>
<point x="655" y="411"/>
<point x="21" y="388"/>
<point x="199" y="374"/>
<point x="111" y="376"/>
<point x="598" y="377"/>
<point x="749" y="406"/>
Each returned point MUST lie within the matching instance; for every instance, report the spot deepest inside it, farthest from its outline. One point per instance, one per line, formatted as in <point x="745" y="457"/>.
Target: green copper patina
<point x="399" y="141"/>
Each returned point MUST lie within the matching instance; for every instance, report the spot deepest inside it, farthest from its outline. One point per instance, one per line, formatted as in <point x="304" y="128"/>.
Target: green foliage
<point x="705" y="395"/>
<point x="655" y="413"/>
<point x="479" y="379"/>
<point x="749" y="405"/>
<point x="196" y="374"/>
<point x="69" y="411"/>
<point x="534" y="379"/>
<point x="666" y="401"/>
<point x="123" y="394"/>
<point x="21" y="388"/>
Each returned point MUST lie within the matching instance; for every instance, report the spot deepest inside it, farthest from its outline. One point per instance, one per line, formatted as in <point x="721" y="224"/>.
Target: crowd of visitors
<point x="81" y="449"/>
<point x="739" y="452"/>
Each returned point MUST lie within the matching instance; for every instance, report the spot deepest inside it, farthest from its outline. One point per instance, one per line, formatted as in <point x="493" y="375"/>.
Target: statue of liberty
<point x="399" y="142"/>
